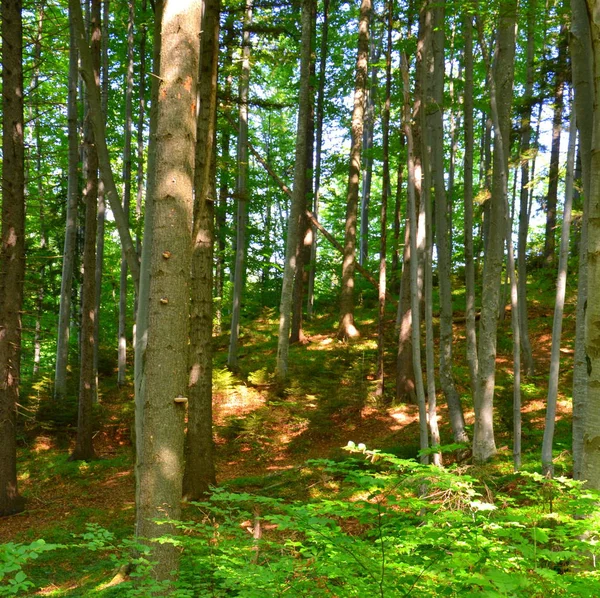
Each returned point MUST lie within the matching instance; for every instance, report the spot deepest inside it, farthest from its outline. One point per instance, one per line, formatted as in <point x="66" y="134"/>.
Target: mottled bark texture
<point x="164" y="391"/>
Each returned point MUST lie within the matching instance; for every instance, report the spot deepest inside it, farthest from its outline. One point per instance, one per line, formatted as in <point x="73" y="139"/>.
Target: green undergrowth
<point x="372" y="525"/>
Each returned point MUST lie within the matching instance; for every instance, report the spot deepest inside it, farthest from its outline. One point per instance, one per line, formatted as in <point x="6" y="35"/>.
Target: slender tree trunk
<point x="396" y="274"/>
<point x="500" y="86"/>
<point x="64" y="317"/>
<point x="98" y="126"/>
<point x="164" y="391"/>
<point x="385" y="193"/>
<point x="84" y="446"/>
<point x="298" y="198"/>
<point x="580" y="44"/>
<point x="347" y="329"/>
<point x="561" y="284"/>
<point x="200" y="467"/>
<point x="241" y="194"/>
<point x="317" y="161"/>
<point x="12" y="256"/>
<point x="552" y="197"/>
<point x="435" y="119"/>
<point x="413" y="175"/>
<point x="528" y="363"/>
<point x="122" y="346"/>
<point x="470" y="328"/>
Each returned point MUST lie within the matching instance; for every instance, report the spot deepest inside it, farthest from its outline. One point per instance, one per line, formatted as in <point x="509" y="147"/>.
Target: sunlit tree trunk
<point x="298" y="197"/>
<point x="241" y="194"/>
<point x="12" y="256"/>
<point x="347" y="329"/>
<point x="500" y="81"/>
<point x="582" y="66"/>
<point x="199" y="466"/>
<point x="164" y="392"/>
<point x="561" y="287"/>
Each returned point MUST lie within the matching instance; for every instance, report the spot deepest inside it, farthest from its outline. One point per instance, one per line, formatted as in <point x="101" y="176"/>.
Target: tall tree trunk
<point x="561" y="284"/>
<point x="122" y="345"/>
<point x="500" y="82"/>
<point x="552" y="197"/>
<point x="385" y="193"/>
<point x="470" y="328"/>
<point x="70" y="245"/>
<point x="590" y="469"/>
<point x="435" y="120"/>
<point x="164" y="390"/>
<point x="299" y="193"/>
<point x="347" y="329"/>
<point x="84" y="446"/>
<point x="580" y="44"/>
<point x="413" y="175"/>
<point x="12" y="257"/>
<point x="99" y="129"/>
<point x="241" y="194"/>
<point x="528" y="363"/>
<point x="199" y="466"/>
<point x="320" y="110"/>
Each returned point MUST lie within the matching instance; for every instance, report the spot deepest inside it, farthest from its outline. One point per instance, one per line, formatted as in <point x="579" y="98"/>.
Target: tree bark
<point x="241" y="194"/>
<point x="84" y="446"/>
<point x="347" y="329"/>
<point x="299" y="193"/>
<point x="199" y="466"/>
<point x="561" y="284"/>
<point x="164" y="391"/>
<point x="580" y="44"/>
<point x="318" y="147"/>
<point x="500" y="82"/>
<point x="12" y="257"/>
<point x="98" y="126"/>
<point x="70" y="245"/>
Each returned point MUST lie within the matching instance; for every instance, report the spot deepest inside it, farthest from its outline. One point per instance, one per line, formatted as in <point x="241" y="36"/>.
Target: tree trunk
<point x="84" y="446"/>
<point x="98" y="126"/>
<point x="561" y="284"/>
<point x="241" y="194"/>
<point x="500" y="85"/>
<point x="580" y="44"/>
<point x="590" y="470"/>
<point x="164" y="391"/>
<point x="385" y="193"/>
<point x="552" y="197"/>
<point x="12" y="257"/>
<point x="70" y="245"/>
<point x="346" y="329"/>
<point x="470" y="328"/>
<point x="122" y="345"/>
<point x="200" y="467"/>
<point x="299" y="194"/>
<point x="435" y="120"/>
<point x="318" y="146"/>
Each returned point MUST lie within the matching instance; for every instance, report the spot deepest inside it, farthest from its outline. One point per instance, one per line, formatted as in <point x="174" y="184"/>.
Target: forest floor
<point x="263" y="436"/>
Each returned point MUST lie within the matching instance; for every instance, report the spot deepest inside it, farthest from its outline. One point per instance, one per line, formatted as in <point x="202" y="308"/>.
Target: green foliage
<point x="376" y="525"/>
<point x="13" y="580"/>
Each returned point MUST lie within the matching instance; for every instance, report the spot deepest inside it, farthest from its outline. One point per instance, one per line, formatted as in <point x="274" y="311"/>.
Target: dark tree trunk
<point x="12" y="257"/>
